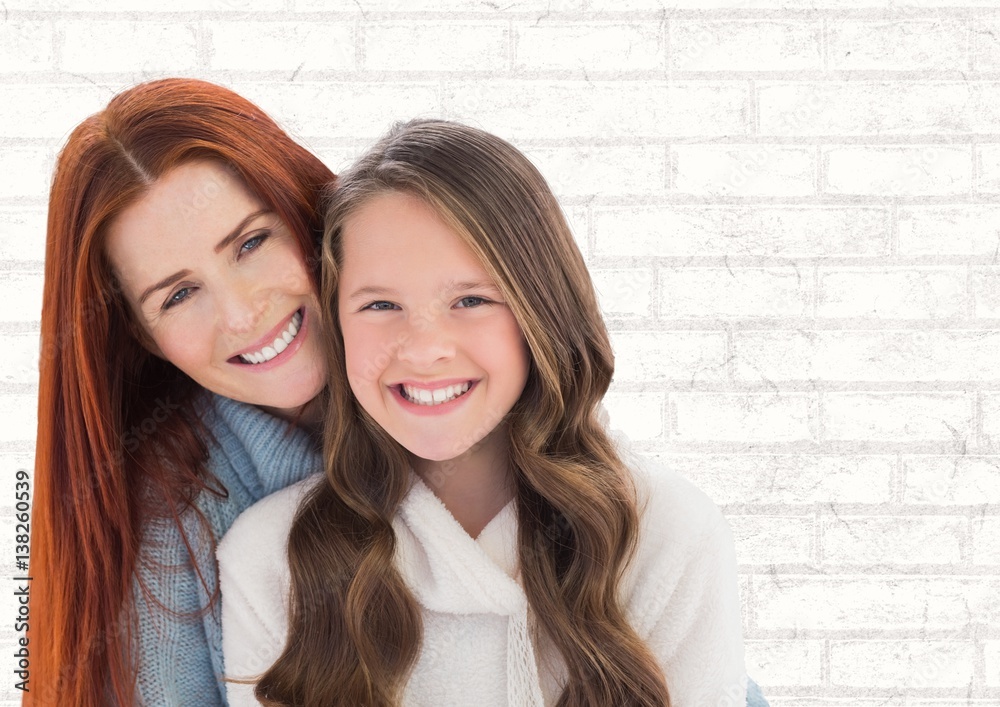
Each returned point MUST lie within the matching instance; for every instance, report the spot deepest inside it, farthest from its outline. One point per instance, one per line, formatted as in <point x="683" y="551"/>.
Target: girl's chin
<point x="434" y="456"/>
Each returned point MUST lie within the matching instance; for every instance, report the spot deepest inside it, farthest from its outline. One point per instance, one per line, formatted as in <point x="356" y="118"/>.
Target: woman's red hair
<point x="94" y="487"/>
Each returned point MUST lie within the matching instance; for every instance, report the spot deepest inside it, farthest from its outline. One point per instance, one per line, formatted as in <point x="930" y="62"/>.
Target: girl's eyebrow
<point x="475" y="285"/>
<point x="377" y="291"/>
<point x="372" y="291"/>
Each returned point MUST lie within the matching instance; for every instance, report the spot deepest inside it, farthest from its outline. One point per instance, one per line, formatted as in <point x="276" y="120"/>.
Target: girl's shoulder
<point x="683" y="539"/>
<point x="672" y="508"/>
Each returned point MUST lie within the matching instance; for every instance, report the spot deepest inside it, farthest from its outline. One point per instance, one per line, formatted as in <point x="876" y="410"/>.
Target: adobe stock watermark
<point x="935" y="664"/>
<point x="52" y="692"/>
<point x="627" y="296"/>
<point x="694" y="48"/>
<point x="759" y="156"/>
<point x="22" y="591"/>
<point x="917" y="166"/>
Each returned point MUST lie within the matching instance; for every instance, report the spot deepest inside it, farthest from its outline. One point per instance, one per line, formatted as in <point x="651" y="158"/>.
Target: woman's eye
<point x="472" y="301"/>
<point x="380" y="306"/>
<point x="253" y="242"/>
<point x="178" y="297"/>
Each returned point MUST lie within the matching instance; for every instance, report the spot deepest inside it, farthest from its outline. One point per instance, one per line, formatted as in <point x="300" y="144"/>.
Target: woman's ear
<point x="147" y="343"/>
<point x="135" y="328"/>
<point x="141" y="335"/>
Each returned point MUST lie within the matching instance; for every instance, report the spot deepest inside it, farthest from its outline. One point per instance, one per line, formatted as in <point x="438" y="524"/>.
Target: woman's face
<point x="220" y="286"/>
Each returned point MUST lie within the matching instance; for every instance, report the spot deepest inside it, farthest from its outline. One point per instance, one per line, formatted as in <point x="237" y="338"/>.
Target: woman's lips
<point x="279" y="357"/>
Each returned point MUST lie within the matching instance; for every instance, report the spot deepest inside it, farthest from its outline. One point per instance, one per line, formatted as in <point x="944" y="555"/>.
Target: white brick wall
<point x="900" y="45"/>
<point x="263" y="46"/>
<point x="792" y="212"/>
<point x="98" y="47"/>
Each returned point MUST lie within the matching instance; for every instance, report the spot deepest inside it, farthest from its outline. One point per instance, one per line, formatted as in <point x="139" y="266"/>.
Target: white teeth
<point x="278" y="345"/>
<point x="422" y="396"/>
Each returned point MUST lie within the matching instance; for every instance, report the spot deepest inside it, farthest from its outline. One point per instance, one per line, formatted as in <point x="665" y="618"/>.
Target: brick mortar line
<point x="872" y="14"/>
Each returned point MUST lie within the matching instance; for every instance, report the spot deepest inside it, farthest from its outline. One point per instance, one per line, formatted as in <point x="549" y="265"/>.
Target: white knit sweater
<point x="680" y="592"/>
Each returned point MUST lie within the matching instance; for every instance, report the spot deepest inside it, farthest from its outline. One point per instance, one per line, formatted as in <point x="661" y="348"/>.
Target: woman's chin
<point x="289" y="405"/>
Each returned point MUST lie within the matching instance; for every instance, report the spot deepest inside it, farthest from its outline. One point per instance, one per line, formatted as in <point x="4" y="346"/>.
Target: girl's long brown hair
<point x="118" y="441"/>
<point x="356" y="626"/>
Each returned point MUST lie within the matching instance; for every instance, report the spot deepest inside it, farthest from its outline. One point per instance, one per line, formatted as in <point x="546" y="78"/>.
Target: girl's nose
<point x="425" y="342"/>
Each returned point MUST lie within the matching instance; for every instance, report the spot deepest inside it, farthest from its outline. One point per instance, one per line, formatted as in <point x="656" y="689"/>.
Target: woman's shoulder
<point x="253" y="453"/>
<point x="262" y="529"/>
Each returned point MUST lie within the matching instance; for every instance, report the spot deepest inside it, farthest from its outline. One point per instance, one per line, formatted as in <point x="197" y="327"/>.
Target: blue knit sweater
<point x="180" y="653"/>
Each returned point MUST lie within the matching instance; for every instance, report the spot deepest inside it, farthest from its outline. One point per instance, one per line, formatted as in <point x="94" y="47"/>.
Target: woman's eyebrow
<point x="165" y="282"/>
<point x="235" y="233"/>
<point x="229" y="238"/>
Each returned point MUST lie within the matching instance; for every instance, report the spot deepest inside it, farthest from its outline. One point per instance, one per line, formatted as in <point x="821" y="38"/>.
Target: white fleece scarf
<point x="449" y="572"/>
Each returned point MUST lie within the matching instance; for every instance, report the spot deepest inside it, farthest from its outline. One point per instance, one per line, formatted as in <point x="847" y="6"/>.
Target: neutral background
<point x="791" y="209"/>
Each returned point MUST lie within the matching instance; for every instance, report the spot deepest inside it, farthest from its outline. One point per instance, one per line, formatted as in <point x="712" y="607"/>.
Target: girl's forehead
<point x="397" y="226"/>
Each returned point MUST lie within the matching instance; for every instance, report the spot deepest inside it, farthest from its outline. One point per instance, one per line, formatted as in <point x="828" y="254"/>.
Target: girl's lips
<point x="440" y="408"/>
<point x="289" y="351"/>
<point x="432" y="385"/>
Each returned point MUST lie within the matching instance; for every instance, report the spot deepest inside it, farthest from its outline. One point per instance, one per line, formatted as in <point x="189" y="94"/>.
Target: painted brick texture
<point x="791" y="210"/>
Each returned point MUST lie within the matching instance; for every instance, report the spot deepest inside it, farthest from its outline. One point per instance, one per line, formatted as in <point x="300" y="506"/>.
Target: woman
<point x="179" y="379"/>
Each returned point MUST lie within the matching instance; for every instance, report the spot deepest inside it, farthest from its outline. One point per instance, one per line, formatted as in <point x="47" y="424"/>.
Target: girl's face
<point x="433" y="353"/>
<point x="219" y="284"/>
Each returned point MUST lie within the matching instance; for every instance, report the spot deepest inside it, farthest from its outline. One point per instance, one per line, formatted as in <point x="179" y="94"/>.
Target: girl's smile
<point x="437" y="398"/>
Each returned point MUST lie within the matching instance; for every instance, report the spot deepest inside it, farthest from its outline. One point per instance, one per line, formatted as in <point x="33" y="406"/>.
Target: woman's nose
<point x="241" y="308"/>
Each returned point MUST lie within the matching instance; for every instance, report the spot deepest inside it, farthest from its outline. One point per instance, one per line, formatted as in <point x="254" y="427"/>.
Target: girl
<point x="179" y="350"/>
<point x="477" y="539"/>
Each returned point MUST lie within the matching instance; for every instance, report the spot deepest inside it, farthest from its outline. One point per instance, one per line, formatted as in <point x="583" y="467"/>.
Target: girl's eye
<point x="380" y="306"/>
<point x="253" y="242"/>
<point x="472" y="301"/>
<point x="178" y="297"/>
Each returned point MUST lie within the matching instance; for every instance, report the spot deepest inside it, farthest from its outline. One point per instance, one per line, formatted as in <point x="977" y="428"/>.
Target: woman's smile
<point x="271" y="347"/>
